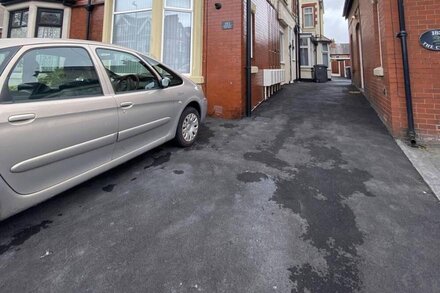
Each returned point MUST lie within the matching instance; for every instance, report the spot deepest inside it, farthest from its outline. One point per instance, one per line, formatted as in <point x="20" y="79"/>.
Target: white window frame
<point x="308" y="50"/>
<point x="325" y="52"/>
<point x="190" y="10"/>
<point x="38" y="20"/>
<point x="282" y="60"/>
<point x="312" y="14"/>
<point x="114" y="13"/>
<point x="292" y="43"/>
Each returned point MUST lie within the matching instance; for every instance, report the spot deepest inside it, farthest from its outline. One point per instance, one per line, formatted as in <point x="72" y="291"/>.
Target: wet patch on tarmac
<point x="205" y="134"/>
<point x="229" y="125"/>
<point x="317" y="194"/>
<point x="267" y="158"/>
<point x="251" y="177"/>
<point x="178" y="172"/>
<point x="109" y="188"/>
<point x="158" y="158"/>
<point x="204" y="137"/>
<point x="24" y="235"/>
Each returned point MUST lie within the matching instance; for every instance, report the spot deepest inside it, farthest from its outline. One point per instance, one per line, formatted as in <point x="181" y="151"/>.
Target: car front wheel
<point x="188" y="127"/>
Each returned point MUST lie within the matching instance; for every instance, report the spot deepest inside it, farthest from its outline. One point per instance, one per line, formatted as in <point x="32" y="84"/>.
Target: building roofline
<point x="347" y="7"/>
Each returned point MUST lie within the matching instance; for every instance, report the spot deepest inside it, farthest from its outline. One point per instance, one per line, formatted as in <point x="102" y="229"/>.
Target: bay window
<point x="325" y="60"/>
<point x="177" y="34"/>
<point x="37" y="19"/>
<point x="305" y="50"/>
<point x="132" y="24"/>
<point x="18" y="24"/>
<point x="49" y="23"/>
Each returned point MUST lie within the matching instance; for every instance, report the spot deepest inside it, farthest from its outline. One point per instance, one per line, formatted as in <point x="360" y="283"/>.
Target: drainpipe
<point x="298" y="41"/>
<point x="290" y="59"/>
<point x="248" y="59"/>
<point x="408" y="93"/>
<point x="89" y="8"/>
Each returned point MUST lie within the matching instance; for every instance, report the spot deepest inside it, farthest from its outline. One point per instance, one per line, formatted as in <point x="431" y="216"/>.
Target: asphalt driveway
<point x="309" y="195"/>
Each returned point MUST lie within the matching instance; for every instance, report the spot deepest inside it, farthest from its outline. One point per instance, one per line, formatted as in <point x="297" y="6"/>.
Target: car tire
<point x="188" y="127"/>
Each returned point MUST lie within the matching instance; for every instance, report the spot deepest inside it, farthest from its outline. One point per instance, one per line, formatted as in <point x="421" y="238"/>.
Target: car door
<point x="56" y="120"/>
<point x="146" y="111"/>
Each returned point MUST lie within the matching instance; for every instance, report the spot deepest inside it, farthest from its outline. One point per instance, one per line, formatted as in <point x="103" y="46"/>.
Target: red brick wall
<point x="387" y="94"/>
<point x="375" y="87"/>
<point x="267" y="46"/>
<point x="225" y="52"/>
<point x="78" y="25"/>
<point x="224" y="59"/>
<point x="421" y="15"/>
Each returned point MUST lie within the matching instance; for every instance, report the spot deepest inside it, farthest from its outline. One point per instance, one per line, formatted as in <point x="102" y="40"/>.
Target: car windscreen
<point x="5" y="55"/>
<point x="164" y="71"/>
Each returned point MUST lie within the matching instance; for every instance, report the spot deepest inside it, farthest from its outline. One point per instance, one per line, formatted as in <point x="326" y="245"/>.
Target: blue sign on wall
<point x="227" y="25"/>
<point x="431" y="40"/>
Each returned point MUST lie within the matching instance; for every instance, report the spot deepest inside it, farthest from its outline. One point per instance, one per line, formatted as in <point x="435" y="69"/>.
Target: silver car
<point x="70" y="110"/>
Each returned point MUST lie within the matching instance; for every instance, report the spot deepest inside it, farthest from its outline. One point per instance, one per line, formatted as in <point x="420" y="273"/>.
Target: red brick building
<point x="225" y="54"/>
<point x="340" y="59"/>
<point x="212" y="45"/>
<point x="378" y="67"/>
<point x="79" y="20"/>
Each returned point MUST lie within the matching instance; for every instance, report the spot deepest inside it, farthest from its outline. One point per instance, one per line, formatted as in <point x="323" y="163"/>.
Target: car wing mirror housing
<point x="165" y="82"/>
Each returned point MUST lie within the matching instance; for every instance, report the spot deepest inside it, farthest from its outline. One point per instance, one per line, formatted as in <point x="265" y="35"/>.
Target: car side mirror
<point x="165" y="82"/>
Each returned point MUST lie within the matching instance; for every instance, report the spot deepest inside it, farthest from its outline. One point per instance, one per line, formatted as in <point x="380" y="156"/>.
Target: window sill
<point x="197" y="79"/>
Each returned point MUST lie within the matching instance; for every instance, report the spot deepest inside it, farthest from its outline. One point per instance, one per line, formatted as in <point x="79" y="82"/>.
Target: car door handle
<point x="126" y="105"/>
<point x="22" y="118"/>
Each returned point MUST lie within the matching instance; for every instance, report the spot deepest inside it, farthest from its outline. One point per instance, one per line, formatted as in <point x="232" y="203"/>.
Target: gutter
<point x="402" y="35"/>
<point x="298" y="42"/>
<point x="347" y="8"/>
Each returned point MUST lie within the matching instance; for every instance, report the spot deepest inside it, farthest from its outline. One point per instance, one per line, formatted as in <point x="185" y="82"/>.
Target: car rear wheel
<point x="188" y="127"/>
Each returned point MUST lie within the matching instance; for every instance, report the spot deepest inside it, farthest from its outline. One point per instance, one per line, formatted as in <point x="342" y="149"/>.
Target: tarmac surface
<point x="311" y="194"/>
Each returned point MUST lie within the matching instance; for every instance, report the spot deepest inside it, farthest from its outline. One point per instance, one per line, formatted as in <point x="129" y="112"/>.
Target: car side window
<point x="127" y="72"/>
<point x="164" y="71"/>
<point x="52" y="74"/>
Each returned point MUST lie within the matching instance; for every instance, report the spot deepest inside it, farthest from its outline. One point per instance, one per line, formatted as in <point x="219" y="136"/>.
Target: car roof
<point x="12" y="42"/>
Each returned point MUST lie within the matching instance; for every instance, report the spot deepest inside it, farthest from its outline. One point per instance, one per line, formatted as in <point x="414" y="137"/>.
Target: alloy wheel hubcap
<point x="190" y="127"/>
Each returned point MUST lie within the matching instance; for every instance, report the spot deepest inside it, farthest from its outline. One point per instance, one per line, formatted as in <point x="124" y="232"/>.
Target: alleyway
<point x="311" y="193"/>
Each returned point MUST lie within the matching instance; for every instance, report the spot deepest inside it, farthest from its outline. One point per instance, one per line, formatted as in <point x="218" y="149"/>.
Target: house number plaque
<point x="430" y="40"/>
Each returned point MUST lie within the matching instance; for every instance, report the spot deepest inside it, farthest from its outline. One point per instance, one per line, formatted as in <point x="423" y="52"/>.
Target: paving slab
<point x="311" y="194"/>
<point x="426" y="159"/>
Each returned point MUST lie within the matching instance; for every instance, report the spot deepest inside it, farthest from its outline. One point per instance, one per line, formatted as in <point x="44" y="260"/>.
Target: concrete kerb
<point x="427" y="163"/>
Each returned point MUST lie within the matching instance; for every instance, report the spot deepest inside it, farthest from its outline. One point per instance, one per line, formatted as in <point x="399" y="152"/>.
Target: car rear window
<point x="53" y="73"/>
<point x="5" y="55"/>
